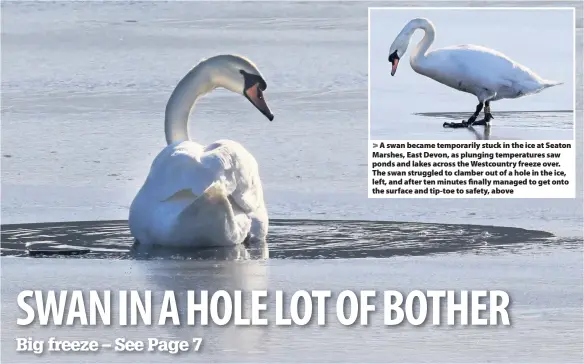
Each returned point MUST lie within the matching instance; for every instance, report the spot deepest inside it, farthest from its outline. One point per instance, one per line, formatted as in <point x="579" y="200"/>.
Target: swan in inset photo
<point x="483" y="72"/>
<point x="204" y="196"/>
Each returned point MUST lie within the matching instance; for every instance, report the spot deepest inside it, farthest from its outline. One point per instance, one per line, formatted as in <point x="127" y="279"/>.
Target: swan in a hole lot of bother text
<point x="202" y="196"/>
<point x="483" y="72"/>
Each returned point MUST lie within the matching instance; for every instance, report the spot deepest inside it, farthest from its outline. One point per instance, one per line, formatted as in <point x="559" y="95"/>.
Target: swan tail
<point x="550" y="83"/>
<point x="545" y="84"/>
<point x="537" y="87"/>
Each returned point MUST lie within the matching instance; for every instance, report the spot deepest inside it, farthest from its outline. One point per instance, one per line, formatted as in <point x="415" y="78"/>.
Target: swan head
<point x="396" y="51"/>
<point x="399" y="47"/>
<point x="400" y="44"/>
<point x="240" y="75"/>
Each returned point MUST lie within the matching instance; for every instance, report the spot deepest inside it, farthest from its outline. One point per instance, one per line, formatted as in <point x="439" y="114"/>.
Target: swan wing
<point x="240" y="174"/>
<point x="239" y="170"/>
<point x="178" y="168"/>
<point x="185" y="199"/>
<point x="463" y="66"/>
<point x="212" y="219"/>
<point x="481" y="71"/>
<point x="193" y="167"/>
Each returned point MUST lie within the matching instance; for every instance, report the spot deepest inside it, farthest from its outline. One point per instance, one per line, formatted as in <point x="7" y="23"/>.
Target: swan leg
<point x="246" y="241"/>
<point x="488" y="116"/>
<point x="473" y="118"/>
<point x="469" y="122"/>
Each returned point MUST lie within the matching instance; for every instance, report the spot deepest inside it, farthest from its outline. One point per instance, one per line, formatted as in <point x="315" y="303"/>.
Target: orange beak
<point x="255" y="95"/>
<point x="394" y="66"/>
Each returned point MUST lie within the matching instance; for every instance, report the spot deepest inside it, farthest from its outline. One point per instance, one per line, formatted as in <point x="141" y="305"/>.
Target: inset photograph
<point x="471" y="73"/>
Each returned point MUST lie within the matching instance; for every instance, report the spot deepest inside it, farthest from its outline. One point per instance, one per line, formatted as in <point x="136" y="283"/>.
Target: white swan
<point x="198" y="195"/>
<point x="483" y="72"/>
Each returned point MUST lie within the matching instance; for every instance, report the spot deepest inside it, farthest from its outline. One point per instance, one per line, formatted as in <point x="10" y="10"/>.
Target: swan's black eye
<point x="393" y="56"/>
<point x="260" y="94"/>
<point x="252" y="80"/>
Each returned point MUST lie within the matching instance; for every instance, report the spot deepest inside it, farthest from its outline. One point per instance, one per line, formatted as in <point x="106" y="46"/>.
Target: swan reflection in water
<point x="233" y="268"/>
<point x="257" y="251"/>
<point x="486" y="135"/>
<point x="207" y="273"/>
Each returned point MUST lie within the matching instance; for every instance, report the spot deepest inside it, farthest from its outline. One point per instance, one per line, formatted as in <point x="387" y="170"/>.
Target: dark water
<point x="288" y="239"/>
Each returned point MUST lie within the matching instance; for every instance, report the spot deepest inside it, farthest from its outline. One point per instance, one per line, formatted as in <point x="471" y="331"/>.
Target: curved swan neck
<point x="419" y="53"/>
<point x="193" y="85"/>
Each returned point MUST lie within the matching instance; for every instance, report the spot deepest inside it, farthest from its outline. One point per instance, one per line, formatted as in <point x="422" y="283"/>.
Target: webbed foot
<point x="463" y="124"/>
